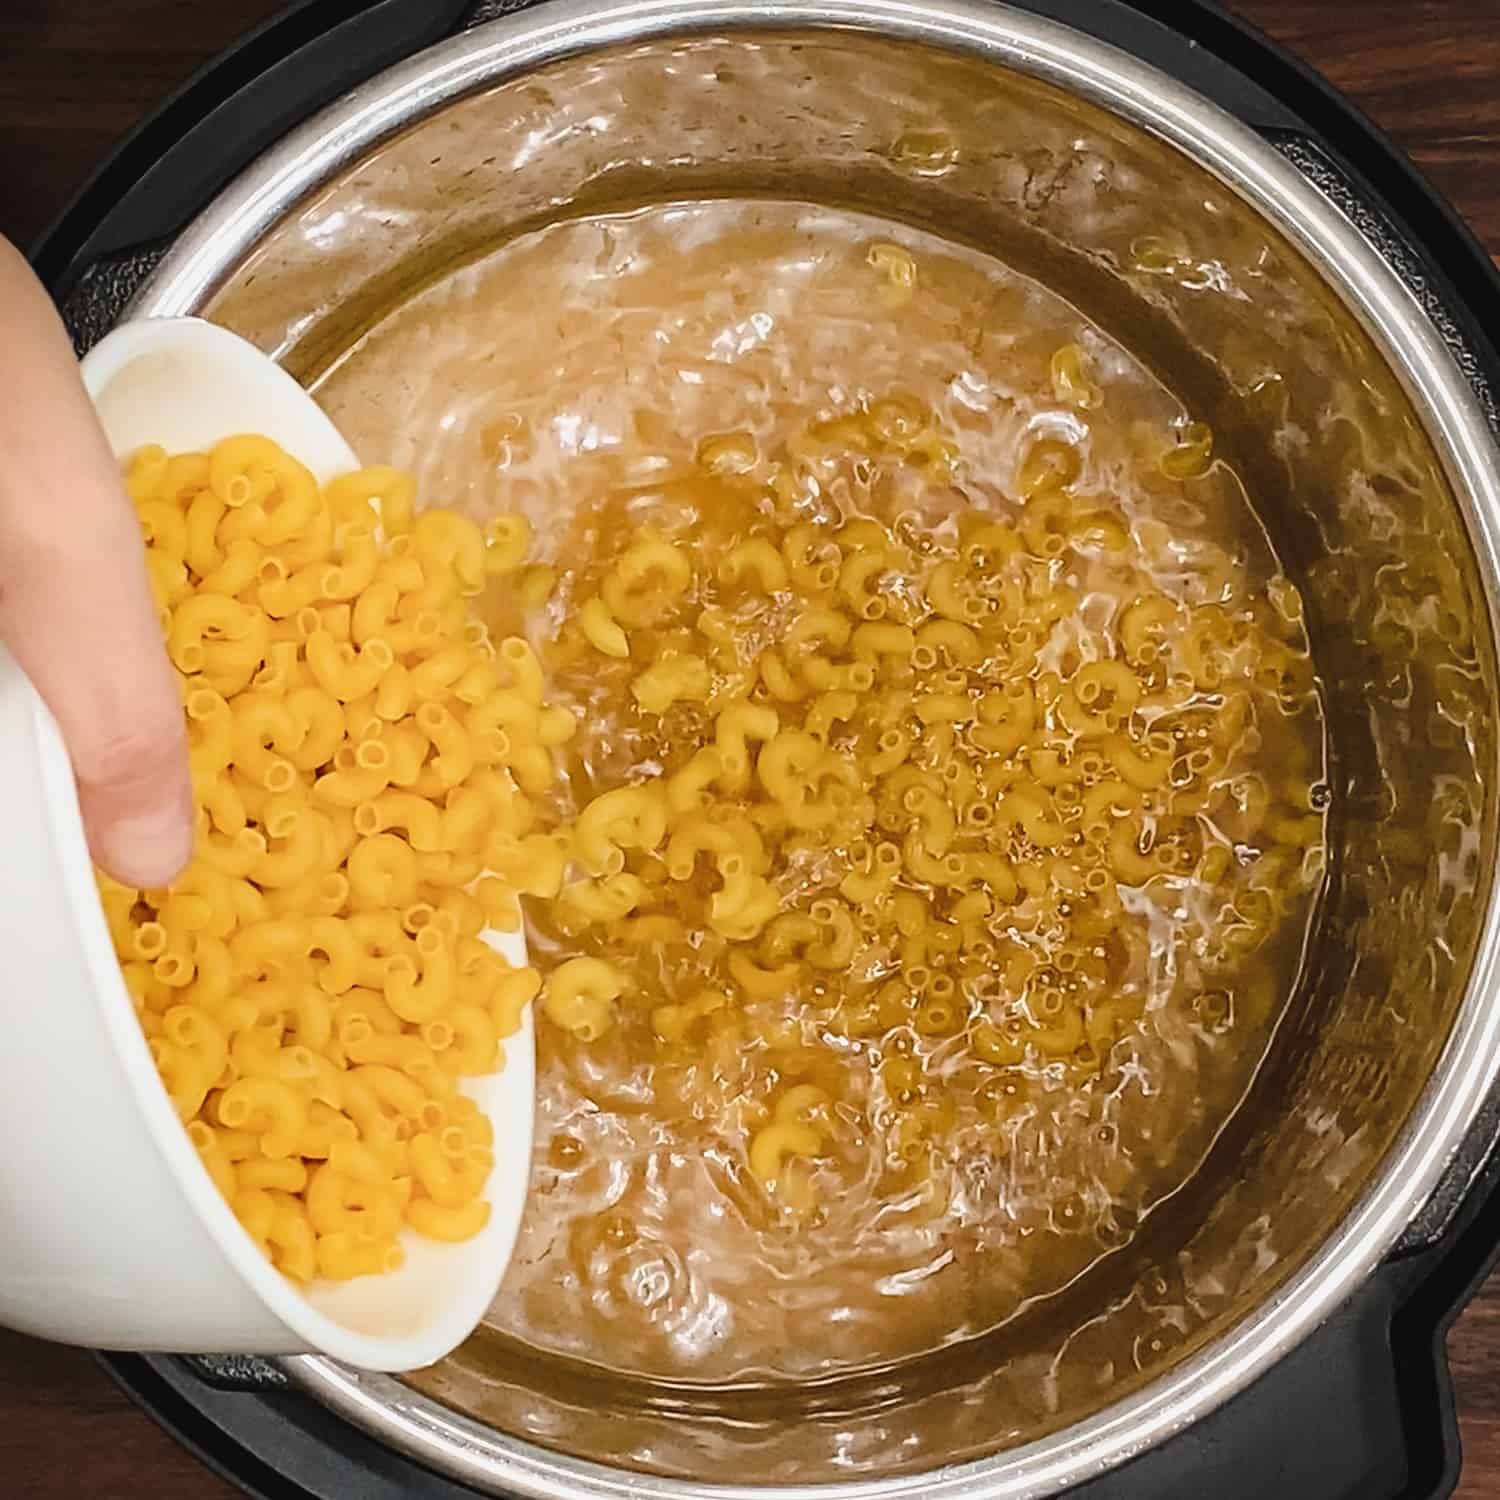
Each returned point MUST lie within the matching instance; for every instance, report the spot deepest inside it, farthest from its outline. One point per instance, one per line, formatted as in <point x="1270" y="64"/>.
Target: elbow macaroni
<point x="305" y="987"/>
<point x="906" y="786"/>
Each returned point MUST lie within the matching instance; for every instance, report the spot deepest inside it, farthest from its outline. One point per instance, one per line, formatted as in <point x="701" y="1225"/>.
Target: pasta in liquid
<point x="1045" y="832"/>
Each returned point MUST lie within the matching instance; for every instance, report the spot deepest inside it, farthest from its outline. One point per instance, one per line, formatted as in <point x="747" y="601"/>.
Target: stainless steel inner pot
<point x="1195" y="243"/>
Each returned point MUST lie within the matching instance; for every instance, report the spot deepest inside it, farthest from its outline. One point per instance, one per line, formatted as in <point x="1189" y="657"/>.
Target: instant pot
<point x="1208" y="199"/>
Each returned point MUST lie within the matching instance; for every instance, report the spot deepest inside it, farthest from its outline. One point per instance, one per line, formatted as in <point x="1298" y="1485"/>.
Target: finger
<point x="76" y="613"/>
<point x="75" y="605"/>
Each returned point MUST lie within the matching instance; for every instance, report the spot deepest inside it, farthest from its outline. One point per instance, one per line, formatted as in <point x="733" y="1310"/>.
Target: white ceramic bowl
<point x="111" y="1233"/>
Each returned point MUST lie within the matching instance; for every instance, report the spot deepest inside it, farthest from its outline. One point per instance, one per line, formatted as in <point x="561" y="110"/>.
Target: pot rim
<point x="1246" y="165"/>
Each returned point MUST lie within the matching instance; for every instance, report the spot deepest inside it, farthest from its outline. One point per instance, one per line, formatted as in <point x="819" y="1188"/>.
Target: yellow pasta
<point x="305" y="984"/>
<point x="673" y="679"/>
<point x="602" y="630"/>
<point x="579" y="997"/>
<point x="879" y="804"/>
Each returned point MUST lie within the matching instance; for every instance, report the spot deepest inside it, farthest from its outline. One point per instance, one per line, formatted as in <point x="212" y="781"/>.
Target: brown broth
<point x="574" y="375"/>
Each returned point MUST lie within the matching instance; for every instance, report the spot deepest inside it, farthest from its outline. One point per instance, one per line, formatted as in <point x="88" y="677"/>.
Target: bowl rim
<point x="1247" y="166"/>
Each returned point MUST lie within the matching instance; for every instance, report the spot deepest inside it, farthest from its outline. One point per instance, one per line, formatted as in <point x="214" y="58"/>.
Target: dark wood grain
<point x="75" y="74"/>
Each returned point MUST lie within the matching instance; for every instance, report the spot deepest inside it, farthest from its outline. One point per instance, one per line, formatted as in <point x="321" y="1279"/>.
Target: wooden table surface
<point x="74" y="74"/>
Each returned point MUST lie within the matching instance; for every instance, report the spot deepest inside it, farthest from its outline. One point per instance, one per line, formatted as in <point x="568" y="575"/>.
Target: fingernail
<point x="149" y="848"/>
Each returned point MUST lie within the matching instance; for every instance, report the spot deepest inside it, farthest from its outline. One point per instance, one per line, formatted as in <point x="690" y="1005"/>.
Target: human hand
<point x="76" y="608"/>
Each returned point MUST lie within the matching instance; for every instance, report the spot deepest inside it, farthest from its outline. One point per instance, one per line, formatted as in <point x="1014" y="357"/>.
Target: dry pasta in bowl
<point x="317" y="984"/>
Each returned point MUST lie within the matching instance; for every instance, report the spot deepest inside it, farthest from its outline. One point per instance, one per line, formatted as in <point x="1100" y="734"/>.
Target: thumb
<point x="76" y="613"/>
<point x="76" y="608"/>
